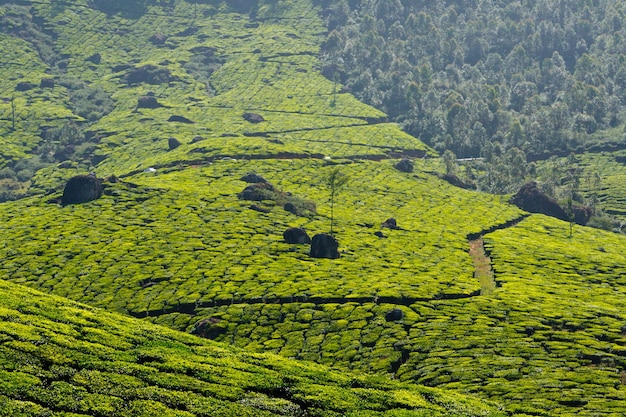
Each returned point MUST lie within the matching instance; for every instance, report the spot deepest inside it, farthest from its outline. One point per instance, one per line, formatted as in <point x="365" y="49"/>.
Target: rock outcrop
<point x="81" y="189"/>
<point x="324" y="246"/>
<point x="180" y="119"/>
<point x="24" y="86"/>
<point x="148" y="102"/>
<point x="405" y="165"/>
<point x="394" y="314"/>
<point x="390" y="223"/>
<point x="258" y="192"/>
<point x="532" y="199"/>
<point x="46" y="83"/>
<point x="209" y="328"/>
<point x="173" y="143"/>
<point x="296" y="236"/>
<point x="253" y="117"/>
<point x="253" y="178"/>
<point x="158" y="39"/>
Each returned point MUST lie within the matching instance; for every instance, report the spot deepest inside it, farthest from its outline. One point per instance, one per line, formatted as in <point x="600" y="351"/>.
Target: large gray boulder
<point x="296" y="235"/>
<point x="324" y="246"/>
<point x="81" y="189"/>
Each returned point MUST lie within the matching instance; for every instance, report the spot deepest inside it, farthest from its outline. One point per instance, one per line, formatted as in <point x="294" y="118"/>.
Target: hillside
<point x="173" y="106"/>
<point x="65" y="359"/>
<point x="506" y="81"/>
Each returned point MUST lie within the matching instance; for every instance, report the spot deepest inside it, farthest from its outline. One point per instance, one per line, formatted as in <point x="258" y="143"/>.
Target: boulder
<point x="253" y="178"/>
<point x="296" y="235"/>
<point x="291" y="208"/>
<point x="180" y="119"/>
<point x="390" y="223"/>
<point x="253" y="117"/>
<point x="197" y="139"/>
<point x="173" y="143"/>
<point x="46" y="83"/>
<point x="324" y="246"/>
<point x="532" y="199"/>
<point x="81" y="189"/>
<point x="380" y="234"/>
<point x="148" y="102"/>
<point x="257" y="192"/>
<point x="24" y="86"/>
<point x="209" y="328"/>
<point x="95" y="58"/>
<point x="405" y="165"/>
<point x="395" y="314"/>
<point x="158" y="39"/>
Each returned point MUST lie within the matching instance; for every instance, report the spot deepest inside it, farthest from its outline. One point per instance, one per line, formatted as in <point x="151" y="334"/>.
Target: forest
<point x="483" y="78"/>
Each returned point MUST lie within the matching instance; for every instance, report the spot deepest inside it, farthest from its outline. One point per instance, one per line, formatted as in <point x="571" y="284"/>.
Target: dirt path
<point x="482" y="266"/>
<point x="482" y="262"/>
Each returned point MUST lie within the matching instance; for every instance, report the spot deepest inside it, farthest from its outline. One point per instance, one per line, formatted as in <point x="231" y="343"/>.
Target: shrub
<point x="7" y="173"/>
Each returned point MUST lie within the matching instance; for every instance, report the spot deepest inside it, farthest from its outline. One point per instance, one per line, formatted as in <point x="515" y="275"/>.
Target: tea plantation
<point x="67" y="359"/>
<point x="177" y="104"/>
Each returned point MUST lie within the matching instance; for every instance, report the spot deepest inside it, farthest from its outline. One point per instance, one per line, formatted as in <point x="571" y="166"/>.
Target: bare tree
<point x="335" y="181"/>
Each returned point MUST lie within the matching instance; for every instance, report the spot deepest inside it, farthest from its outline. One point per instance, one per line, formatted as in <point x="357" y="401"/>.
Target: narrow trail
<point x="483" y="270"/>
<point x="482" y="266"/>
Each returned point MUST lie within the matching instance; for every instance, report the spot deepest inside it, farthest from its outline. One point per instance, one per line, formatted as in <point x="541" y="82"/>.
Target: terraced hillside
<point x="200" y="96"/>
<point x="65" y="359"/>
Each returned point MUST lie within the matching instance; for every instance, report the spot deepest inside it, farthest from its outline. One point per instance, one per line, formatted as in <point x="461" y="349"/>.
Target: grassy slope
<point x="178" y="246"/>
<point x="66" y="359"/>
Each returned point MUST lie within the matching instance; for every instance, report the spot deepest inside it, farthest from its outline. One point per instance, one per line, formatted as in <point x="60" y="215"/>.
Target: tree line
<point x="543" y="77"/>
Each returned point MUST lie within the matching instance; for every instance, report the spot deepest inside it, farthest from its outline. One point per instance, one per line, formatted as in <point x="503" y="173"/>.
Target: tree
<point x="449" y="161"/>
<point x="335" y="182"/>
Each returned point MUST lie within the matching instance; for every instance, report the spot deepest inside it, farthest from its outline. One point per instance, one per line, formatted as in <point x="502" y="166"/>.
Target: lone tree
<point x="449" y="161"/>
<point x="335" y="181"/>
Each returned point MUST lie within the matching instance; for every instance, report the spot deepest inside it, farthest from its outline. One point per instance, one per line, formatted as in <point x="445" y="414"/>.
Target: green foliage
<point x="90" y="103"/>
<point x="174" y="245"/>
<point x="62" y="358"/>
<point x="536" y="80"/>
<point x="335" y="181"/>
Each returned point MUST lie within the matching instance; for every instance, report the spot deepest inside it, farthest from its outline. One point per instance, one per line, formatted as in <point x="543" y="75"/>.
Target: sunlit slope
<point x="602" y="175"/>
<point x="176" y="246"/>
<point x="215" y="66"/>
<point x="182" y="240"/>
<point x="550" y="338"/>
<point x="62" y="358"/>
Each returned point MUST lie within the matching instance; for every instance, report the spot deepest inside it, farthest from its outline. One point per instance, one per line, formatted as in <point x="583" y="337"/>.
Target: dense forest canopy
<point x="546" y="76"/>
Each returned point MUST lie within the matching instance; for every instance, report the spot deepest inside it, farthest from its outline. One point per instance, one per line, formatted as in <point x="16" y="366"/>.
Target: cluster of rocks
<point x="323" y="245"/>
<point x="259" y="189"/>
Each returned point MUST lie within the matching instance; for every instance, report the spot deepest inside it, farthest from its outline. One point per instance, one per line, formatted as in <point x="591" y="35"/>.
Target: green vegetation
<point x="532" y="320"/>
<point x="63" y="358"/>
<point x="543" y="77"/>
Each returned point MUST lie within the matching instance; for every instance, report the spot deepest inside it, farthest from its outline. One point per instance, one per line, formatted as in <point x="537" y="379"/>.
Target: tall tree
<point x="335" y="181"/>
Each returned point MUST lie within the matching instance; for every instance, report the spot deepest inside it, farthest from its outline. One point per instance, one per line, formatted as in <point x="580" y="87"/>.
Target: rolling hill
<point x="173" y="106"/>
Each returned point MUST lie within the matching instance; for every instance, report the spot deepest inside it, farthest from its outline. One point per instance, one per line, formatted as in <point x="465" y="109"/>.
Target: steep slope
<point x="63" y="358"/>
<point x="171" y="242"/>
